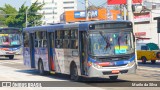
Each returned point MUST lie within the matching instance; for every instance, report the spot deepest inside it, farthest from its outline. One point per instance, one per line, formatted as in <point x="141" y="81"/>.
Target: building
<point x="73" y="16"/>
<point x="145" y="25"/>
<point x="54" y="8"/>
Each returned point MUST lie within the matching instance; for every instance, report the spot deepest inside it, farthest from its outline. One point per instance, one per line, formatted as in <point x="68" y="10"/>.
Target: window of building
<point x="55" y="12"/>
<point x="43" y="12"/>
<point x="68" y="2"/>
<point x="68" y="7"/>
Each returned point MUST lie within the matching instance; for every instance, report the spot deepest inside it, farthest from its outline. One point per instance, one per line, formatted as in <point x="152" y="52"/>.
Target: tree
<point x="9" y="14"/>
<point x="14" y="18"/>
<point x="33" y="16"/>
<point x="2" y="19"/>
<point x="20" y="19"/>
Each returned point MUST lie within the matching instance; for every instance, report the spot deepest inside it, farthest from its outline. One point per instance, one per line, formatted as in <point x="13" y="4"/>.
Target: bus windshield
<point x="104" y="43"/>
<point x="10" y="39"/>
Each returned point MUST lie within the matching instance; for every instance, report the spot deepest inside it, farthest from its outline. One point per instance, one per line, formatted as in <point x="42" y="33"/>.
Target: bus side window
<point x="74" y="39"/>
<point x="26" y="39"/>
<point x="36" y="40"/>
<point x="74" y="44"/>
<point x="59" y="39"/>
<point x="44" y="39"/>
<point x="66" y="40"/>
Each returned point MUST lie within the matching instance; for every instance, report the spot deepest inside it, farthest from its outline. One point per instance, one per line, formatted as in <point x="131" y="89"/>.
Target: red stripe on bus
<point x="104" y="64"/>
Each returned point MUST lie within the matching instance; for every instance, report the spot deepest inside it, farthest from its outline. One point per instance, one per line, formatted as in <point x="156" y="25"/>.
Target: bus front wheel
<point x="74" y="72"/>
<point x="41" y="68"/>
<point x="113" y="77"/>
<point x="11" y="56"/>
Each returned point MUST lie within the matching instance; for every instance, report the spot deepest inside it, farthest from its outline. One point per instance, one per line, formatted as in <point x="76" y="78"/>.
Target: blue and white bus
<point x="10" y="42"/>
<point x="92" y="49"/>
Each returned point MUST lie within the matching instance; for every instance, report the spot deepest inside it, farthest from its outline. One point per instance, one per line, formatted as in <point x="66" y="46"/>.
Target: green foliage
<point x="2" y="19"/>
<point x="33" y="16"/>
<point x="14" y="18"/>
<point x="9" y="14"/>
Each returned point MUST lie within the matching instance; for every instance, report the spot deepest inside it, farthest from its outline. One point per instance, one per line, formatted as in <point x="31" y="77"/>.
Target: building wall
<point x="150" y="29"/>
<point x="54" y="8"/>
<point x="69" y="16"/>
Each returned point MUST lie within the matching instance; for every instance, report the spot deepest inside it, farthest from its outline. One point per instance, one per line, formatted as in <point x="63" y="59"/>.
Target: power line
<point x="81" y="2"/>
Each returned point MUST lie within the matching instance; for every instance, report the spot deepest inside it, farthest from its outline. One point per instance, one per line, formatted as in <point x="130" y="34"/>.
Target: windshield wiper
<point x="106" y="39"/>
<point x="119" y="44"/>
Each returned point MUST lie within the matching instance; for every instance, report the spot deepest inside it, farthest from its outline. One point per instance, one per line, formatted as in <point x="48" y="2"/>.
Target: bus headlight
<point x="96" y="65"/>
<point x="130" y="64"/>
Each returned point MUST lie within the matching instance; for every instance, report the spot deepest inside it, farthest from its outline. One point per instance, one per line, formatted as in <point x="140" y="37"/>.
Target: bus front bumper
<point x="108" y="71"/>
<point x="3" y="53"/>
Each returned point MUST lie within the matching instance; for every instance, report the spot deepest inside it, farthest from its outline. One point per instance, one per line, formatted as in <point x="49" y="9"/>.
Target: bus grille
<point x="110" y="72"/>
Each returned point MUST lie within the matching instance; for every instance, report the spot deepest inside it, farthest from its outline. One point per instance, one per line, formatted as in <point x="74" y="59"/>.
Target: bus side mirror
<point x="75" y="53"/>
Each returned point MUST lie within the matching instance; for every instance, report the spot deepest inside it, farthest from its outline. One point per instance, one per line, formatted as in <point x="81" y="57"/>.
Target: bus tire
<point x="158" y="55"/>
<point x="74" y="72"/>
<point x="11" y="56"/>
<point x="113" y="77"/>
<point x="41" y="68"/>
<point x="144" y="59"/>
<point x="153" y="61"/>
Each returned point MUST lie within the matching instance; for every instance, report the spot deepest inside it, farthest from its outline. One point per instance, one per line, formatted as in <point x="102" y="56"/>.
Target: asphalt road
<point x="14" y="70"/>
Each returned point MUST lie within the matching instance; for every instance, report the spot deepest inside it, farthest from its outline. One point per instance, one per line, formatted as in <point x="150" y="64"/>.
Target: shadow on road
<point x="8" y="59"/>
<point x="67" y="77"/>
<point x="149" y="64"/>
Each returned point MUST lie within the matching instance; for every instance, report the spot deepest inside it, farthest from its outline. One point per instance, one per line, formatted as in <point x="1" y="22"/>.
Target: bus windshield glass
<point x="10" y="39"/>
<point x="104" y="43"/>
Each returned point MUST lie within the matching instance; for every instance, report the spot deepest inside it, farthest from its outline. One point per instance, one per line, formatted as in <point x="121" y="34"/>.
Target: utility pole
<point x="26" y="17"/>
<point x="130" y="18"/>
<point x="129" y="8"/>
<point x="86" y="7"/>
<point x="124" y="12"/>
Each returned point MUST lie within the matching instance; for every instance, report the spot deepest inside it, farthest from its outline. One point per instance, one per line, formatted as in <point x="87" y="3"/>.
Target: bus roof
<point x="9" y="28"/>
<point x="81" y="25"/>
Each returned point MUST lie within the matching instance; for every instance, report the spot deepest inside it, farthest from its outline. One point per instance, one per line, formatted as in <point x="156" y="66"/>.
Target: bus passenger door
<point x="32" y="54"/>
<point x="51" y="51"/>
<point x="83" y="52"/>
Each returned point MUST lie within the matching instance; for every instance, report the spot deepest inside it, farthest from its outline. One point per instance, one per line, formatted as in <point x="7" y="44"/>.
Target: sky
<point x="14" y="3"/>
<point x="18" y="3"/>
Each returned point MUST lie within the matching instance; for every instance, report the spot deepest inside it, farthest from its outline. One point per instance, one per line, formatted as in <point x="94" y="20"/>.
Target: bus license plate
<point x="115" y="71"/>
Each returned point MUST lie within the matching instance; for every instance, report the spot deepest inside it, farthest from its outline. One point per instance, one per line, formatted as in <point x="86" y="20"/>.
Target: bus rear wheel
<point x="153" y="61"/>
<point x="74" y="72"/>
<point x="11" y="56"/>
<point x="144" y="59"/>
<point x="113" y="77"/>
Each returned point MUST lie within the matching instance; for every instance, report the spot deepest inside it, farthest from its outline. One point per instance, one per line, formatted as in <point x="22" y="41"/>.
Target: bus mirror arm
<point x="134" y="38"/>
<point x="75" y="53"/>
